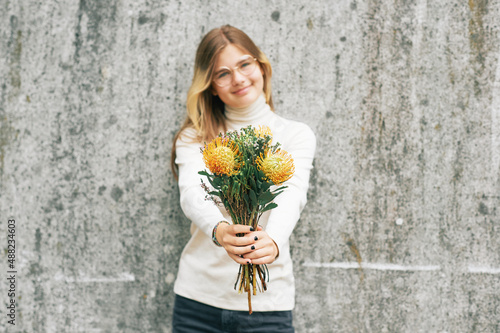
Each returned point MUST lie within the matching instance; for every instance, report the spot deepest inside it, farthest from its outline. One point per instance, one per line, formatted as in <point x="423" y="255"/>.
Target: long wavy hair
<point x="205" y="111"/>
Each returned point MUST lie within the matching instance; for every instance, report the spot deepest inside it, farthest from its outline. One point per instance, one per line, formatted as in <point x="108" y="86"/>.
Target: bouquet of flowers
<point x="244" y="165"/>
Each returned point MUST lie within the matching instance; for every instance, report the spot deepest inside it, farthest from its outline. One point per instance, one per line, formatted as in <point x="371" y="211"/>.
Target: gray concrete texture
<point x="401" y="231"/>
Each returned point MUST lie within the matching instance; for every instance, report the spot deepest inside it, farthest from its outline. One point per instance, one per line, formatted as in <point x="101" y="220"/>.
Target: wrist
<point x="214" y="232"/>
<point x="277" y="249"/>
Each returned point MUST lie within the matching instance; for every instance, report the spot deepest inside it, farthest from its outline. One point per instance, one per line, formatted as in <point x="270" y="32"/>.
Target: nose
<point x="237" y="77"/>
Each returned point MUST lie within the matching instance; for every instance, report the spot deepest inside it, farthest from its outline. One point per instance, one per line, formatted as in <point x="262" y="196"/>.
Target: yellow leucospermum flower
<point x="220" y="156"/>
<point x="277" y="167"/>
<point x="262" y="131"/>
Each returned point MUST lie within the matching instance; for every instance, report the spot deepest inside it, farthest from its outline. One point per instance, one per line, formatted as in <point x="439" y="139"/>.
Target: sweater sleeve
<point x="282" y="219"/>
<point x="203" y="213"/>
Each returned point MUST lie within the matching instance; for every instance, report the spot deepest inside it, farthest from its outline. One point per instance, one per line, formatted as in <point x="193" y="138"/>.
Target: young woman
<point x="231" y="89"/>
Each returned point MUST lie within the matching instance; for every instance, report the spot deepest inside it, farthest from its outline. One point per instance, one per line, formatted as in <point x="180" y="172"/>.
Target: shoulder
<point x="188" y="137"/>
<point x="187" y="145"/>
<point x="302" y="130"/>
<point x="188" y="134"/>
<point x="295" y="132"/>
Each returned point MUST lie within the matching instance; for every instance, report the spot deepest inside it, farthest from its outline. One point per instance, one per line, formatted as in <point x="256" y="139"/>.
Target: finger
<point x="239" y="250"/>
<point x="239" y="259"/>
<point x="263" y="260"/>
<point x="258" y="253"/>
<point x="261" y="249"/>
<point x="235" y="241"/>
<point x="241" y="229"/>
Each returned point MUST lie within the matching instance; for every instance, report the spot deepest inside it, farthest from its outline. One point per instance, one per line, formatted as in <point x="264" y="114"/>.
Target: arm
<point x="282" y="219"/>
<point x="203" y="213"/>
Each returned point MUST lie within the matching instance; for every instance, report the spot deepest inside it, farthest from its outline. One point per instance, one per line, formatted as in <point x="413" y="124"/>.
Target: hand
<point x="255" y="247"/>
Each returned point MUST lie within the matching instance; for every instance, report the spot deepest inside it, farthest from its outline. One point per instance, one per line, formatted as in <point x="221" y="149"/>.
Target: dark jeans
<point x="194" y="317"/>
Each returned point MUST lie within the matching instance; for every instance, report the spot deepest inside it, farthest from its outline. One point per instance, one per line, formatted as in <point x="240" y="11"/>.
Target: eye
<point x="245" y="64"/>
<point x="222" y="74"/>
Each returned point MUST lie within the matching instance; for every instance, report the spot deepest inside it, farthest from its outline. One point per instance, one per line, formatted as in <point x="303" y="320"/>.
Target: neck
<point x="250" y="114"/>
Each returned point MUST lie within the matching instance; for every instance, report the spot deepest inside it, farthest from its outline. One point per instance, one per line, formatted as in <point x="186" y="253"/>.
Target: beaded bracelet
<point x="214" y="233"/>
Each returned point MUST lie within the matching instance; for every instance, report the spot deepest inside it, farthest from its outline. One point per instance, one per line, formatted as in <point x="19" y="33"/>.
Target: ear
<point x="214" y="92"/>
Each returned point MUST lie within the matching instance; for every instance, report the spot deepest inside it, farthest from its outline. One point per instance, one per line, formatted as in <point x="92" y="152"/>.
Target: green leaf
<point x="253" y="197"/>
<point x="235" y="190"/>
<point x="211" y="181"/>
<point x="280" y="189"/>
<point x="252" y="182"/>
<point x="245" y="198"/>
<point x="265" y="197"/>
<point x="272" y="205"/>
<point x="266" y="185"/>
<point x="217" y="182"/>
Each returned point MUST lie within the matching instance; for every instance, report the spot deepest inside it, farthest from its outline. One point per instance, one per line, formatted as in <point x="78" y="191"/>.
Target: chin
<point x="244" y="101"/>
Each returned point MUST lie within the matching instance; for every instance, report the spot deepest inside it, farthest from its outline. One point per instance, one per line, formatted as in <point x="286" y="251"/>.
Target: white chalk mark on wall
<point x="393" y="267"/>
<point x="482" y="269"/>
<point x="376" y="266"/>
<point x="122" y="277"/>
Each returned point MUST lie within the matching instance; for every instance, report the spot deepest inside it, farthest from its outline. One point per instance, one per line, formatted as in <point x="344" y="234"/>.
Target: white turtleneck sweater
<point x="206" y="273"/>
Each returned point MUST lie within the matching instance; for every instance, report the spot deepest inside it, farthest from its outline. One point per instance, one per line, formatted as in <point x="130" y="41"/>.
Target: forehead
<point x="230" y="56"/>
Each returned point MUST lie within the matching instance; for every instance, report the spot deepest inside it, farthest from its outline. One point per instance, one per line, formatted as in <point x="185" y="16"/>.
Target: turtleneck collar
<point x="253" y="114"/>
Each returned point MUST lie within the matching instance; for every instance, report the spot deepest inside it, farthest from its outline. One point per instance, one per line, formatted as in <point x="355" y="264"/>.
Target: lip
<point x="242" y="91"/>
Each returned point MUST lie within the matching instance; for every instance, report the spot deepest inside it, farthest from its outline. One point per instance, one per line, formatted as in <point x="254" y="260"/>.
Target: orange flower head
<point x="277" y="167"/>
<point x="220" y="156"/>
<point x="262" y="131"/>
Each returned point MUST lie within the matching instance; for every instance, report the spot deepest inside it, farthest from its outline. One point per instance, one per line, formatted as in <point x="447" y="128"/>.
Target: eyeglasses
<point x="224" y="75"/>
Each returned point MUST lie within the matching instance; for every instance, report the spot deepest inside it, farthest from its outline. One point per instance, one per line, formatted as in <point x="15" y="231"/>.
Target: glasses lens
<point x="247" y="66"/>
<point x="223" y="78"/>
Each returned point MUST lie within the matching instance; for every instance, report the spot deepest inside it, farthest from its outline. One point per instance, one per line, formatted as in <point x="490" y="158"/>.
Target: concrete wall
<point x="401" y="232"/>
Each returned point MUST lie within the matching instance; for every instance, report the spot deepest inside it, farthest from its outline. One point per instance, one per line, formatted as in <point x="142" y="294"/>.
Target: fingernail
<point x="241" y="256"/>
<point x="252" y="229"/>
<point x="253" y="247"/>
<point x="255" y="238"/>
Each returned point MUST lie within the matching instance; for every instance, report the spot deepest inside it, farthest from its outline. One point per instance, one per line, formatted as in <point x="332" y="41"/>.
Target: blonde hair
<point x="205" y="111"/>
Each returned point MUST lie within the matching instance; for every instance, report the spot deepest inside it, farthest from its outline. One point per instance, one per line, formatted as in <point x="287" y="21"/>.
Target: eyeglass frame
<point x="236" y="68"/>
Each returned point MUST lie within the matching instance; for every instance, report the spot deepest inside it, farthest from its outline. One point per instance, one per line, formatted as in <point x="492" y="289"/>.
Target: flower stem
<point x="247" y="288"/>
<point x="254" y="279"/>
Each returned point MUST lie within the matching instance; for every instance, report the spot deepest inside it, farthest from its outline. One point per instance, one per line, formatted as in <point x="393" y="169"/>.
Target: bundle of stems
<point x="248" y="281"/>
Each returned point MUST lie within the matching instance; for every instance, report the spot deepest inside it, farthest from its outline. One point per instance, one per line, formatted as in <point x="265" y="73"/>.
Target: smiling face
<point x="242" y="90"/>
